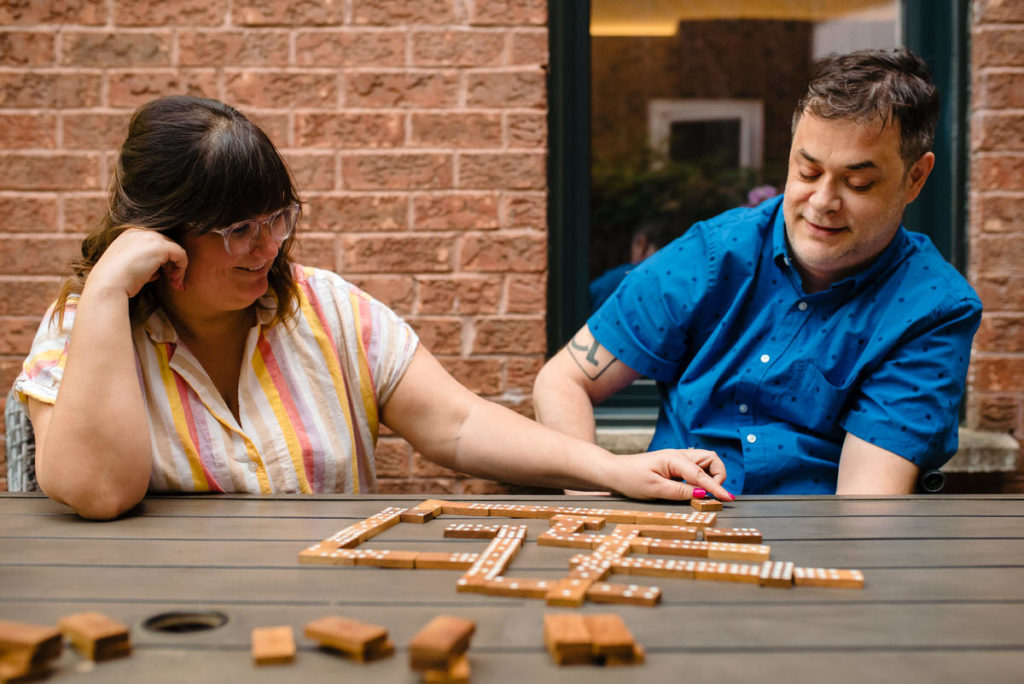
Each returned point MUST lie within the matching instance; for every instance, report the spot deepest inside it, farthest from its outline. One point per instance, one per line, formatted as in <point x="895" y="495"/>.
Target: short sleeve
<point x="43" y="369"/>
<point x="645" y="322"/>
<point x="392" y="344"/>
<point x="910" y="404"/>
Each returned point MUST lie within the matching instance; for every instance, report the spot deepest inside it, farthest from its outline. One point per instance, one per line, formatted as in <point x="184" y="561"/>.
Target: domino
<point x="569" y="592"/>
<point x="630" y="594"/>
<point x="96" y="636"/>
<point x="703" y="505"/>
<point x="440" y="643"/>
<point x="458" y="673"/>
<point x="465" y="508"/>
<point x="471" y="531"/>
<point x="609" y="636"/>
<point x="517" y="586"/>
<point x="655" y="567"/>
<point x="687" y="532"/>
<point x="567" y="638"/>
<point x="729" y="551"/>
<point x="776" y="574"/>
<point x="727" y="572"/>
<point x="26" y="649"/>
<point x="828" y="577"/>
<point x="425" y="511"/>
<point x="360" y="641"/>
<point x="737" y="535"/>
<point x="435" y="560"/>
<point x="273" y="645"/>
<point x="387" y="559"/>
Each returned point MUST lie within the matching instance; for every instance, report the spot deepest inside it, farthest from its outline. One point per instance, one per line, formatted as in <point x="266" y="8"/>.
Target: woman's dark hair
<point x="190" y="164"/>
<point x="887" y="85"/>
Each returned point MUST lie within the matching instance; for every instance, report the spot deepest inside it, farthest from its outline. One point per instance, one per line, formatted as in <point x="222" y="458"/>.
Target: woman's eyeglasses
<point x="241" y="237"/>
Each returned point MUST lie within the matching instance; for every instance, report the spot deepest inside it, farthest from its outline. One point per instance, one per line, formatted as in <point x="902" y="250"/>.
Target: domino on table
<point x="703" y="505"/>
<point x="776" y="574"/>
<point x="567" y="638"/>
<point x="440" y="643"/>
<point x="427" y="510"/>
<point x="737" y="535"/>
<point x="26" y="649"/>
<point x="599" y="638"/>
<point x="96" y="636"/>
<point x="361" y="641"/>
<point x="457" y="673"/>
<point x="273" y="645"/>
<point x="828" y="577"/>
<point x="630" y="594"/>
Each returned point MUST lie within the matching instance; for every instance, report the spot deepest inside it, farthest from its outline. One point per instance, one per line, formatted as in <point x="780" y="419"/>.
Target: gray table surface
<point x="944" y="599"/>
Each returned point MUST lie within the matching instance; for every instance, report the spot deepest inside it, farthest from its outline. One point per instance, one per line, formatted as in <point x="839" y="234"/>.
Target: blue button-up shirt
<point x="772" y="378"/>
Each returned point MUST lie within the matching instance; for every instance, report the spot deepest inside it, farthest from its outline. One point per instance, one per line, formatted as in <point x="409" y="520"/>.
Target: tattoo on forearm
<point x="592" y="359"/>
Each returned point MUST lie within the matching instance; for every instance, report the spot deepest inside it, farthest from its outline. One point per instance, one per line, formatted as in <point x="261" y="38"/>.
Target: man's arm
<point x="577" y="378"/>
<point x="868" y="469"/>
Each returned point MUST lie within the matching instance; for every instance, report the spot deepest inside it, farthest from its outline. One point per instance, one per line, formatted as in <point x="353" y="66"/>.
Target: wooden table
<point x="944" y="599"/>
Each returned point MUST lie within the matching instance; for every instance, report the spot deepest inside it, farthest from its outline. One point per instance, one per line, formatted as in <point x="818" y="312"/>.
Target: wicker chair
<point x="21" y="447"/>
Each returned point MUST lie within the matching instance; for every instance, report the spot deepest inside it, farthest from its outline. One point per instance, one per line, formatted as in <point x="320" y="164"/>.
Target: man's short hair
<point x="889" y="85"/>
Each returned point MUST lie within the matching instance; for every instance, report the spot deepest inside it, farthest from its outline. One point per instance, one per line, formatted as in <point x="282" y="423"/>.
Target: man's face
<point x="845" y="194"/>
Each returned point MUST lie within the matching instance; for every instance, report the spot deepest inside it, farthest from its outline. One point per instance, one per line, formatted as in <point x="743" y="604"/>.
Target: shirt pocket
<point x="810" y="401"/>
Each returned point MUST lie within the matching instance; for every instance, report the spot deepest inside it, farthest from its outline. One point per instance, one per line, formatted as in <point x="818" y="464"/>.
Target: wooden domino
<point x="735" y="535"/>
<point x="360" y="641"/>
<point x="630" y="594"/>
<point x="600" y="638"/>
<point x="96" y="636"/>
<point x="436" y="560"/>
<point x="655" y="567"/>
<point x="730" y="551"/>
<point x="456" y="673"/>
<point x="776" y="574"/>
<point x="465" y="508"/>
<point x="609" y="636"/>
<point x="669" y="531"/>
<point x="568" y="592"/>
<point x="828" y="577"/>
<point x="567" y="638"/>
<point x="517" y="586"/>
<point x="471" y="531"/>
<point x="273" y="645"/>
<point x="387" y="559"/>
<point x="703" y="505"/>
<point x="727" y="572"/>
<point x="428" y="510"/>
<point x="26" y="650"/>
<point x="440" y="643"/>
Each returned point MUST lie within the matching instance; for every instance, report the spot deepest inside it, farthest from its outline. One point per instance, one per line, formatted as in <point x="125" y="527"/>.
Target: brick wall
<point x="996" y="230"/>
<point x="415" y="129"/>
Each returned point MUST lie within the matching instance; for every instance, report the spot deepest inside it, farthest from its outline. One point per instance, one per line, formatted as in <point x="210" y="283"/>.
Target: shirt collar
<point x="161" y="331"/>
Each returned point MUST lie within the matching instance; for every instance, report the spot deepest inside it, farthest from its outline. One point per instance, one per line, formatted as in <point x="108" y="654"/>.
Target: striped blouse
<point x="308" y="395"/>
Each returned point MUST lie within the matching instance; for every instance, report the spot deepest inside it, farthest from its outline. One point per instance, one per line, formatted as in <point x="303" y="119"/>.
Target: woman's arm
<point x="92" y="445"/>
<point x="453" y="427"/>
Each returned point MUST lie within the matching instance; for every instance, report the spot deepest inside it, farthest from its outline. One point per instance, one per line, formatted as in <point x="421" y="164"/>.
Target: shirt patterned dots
<point x="849" y="368"/>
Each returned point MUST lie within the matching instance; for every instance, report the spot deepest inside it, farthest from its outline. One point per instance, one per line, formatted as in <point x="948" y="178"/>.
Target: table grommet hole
<point x="186" y="621"/>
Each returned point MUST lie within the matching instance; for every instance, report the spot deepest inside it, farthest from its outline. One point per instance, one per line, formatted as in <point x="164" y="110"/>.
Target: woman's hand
<point x="136" y="257"/>
<point x="660" y="474"/>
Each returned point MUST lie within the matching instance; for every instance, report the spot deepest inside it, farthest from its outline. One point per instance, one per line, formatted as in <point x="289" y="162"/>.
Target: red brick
<point x="465" y="48"/>
<point x="313" y="170"/>
<point x="27" y="131"/>
<point x="528" y="129"/>
<point x="316" y="250"/>
<point x="397" y="292"/>
<point x="456" y="130"/>
<point x="408" y="89"/>
<point x="393" y="458"/>
<point x="505" y="252"/>
<point x="26" y="49"/>
<point x="526" y="210"/>
<point x="115" y="49"/>
<point x="993" y="373"/>
<point x="23" y="295"/>
<point x="272" y="89"/>
<point x="356" y="213"/>
<point x="95" y="131"/>
<point x="511" y="12"/>
<point x="439" y="335"/>
<point x="397" y="171"/>
<point x="344" y="130"/>
<point x="455" y="212"/>
<point x="529" y="48"/>
<point x="133" y="88"/>
<point x="27" y="12"/>
<point x="1001" y="333"/>
<point x="82" y="213"/>
<point x="998" y="172"/>
<point x="998" y="10"/>
<point x="271" y="13"/>
<point x="62" y="90"/>
<point x="350" y="48"/>
<point x="49" y="171"/>
<point x="37" y="255"/>
<point x="527" y="293"/>
<point x="10" y="366"/>
<point x="396" y="254"/>
<point x="999" y="213"/>
<point x="998" y="254"/>
<point x="433" y="486"/>
<point x="999" y="413"/>
<point x="505" y="335"/>
<point x="16" y="335"/>
<point x="507" y="89"/>
<point x="460" y="294"/>
<point x="481" y="376"/>
<point x="483" y="487"/>
<point x="1000" y="292"/>
<point x="399" y="12"/>
<point x="998" y="131"/>
<point x="276" y="125"/>
<point x="511" y="171"/>
<point x="27" y="214"/>
<point x="422" y="468"/>
<point x="521" y="371"/>
<point x="177" y="13"/>
<point x="997" y="47"/>
<point x="236" y="48"/>
<point x="999" y="90"/>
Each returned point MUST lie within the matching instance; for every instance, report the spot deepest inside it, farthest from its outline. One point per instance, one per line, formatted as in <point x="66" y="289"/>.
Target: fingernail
<point x="699" y="493"/>
<point x="731" y="497"/>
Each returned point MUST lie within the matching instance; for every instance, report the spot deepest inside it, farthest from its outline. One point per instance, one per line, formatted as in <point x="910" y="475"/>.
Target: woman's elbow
<point x="93" y="503"/>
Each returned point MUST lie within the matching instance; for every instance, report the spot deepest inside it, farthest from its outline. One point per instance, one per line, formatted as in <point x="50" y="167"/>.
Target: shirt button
<point x="802" y="306"/>
<point x="751" y="438"/>
<point x="765" y="358"/>
<point x="744" y="408"/>
<point x="252" y="467"/>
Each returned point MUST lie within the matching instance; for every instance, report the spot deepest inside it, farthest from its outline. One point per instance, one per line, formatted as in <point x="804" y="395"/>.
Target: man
<point x="812" y="342"/>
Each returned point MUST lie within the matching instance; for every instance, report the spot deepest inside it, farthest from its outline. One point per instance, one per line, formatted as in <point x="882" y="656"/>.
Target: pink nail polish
<point x="699" y="494"/>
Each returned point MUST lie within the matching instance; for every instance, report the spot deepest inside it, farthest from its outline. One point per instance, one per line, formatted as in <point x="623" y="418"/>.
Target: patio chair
<point x="21" y="447"/>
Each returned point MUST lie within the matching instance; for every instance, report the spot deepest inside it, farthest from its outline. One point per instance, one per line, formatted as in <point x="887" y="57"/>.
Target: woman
<point x="203" y="359"/>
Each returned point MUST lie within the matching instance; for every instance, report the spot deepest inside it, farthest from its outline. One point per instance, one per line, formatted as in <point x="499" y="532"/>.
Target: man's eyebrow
<point x="852" y="167"/>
